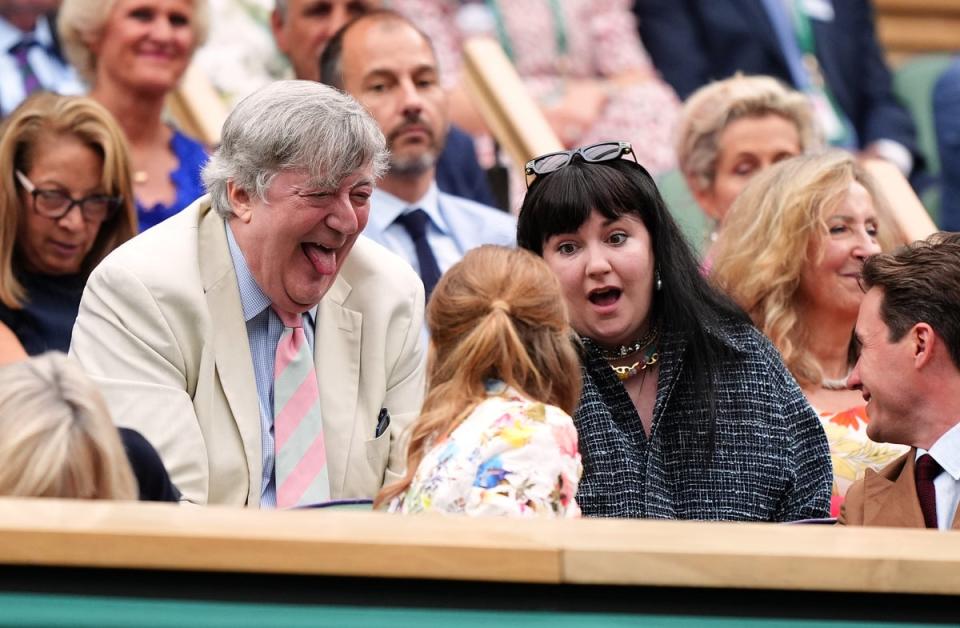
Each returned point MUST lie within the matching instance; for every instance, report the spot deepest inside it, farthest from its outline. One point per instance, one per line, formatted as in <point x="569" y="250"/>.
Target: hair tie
<point x="500" y="304"/>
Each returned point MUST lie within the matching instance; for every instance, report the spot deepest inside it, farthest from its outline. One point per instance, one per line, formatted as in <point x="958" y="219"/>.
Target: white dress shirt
<point x="51" y="71"/>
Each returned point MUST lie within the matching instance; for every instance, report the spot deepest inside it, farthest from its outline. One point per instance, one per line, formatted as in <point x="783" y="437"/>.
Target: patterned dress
<point x="852" y="452"/>
<point x="510" y="457"/>
<point x="586" y="39"/>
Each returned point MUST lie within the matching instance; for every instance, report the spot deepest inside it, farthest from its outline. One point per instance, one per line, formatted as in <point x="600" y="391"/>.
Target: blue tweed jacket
<point x="770" y="463"/>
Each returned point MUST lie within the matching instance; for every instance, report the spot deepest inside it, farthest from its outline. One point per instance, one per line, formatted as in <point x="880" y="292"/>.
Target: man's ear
<point x="240" y="202"/>
<point x="924" y="341"/>
<point x="276" y="27"/>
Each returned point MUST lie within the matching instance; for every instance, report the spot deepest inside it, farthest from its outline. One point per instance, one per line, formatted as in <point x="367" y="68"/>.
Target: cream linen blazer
<point x="161" y="330"/>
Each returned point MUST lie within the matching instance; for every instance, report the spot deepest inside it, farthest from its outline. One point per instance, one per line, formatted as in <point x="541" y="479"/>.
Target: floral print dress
<point x="852" y="452"/>
<point x="510" y="457"/>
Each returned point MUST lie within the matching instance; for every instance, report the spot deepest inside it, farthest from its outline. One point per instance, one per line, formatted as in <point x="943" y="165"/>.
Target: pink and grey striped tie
<point x="301" y="465"/>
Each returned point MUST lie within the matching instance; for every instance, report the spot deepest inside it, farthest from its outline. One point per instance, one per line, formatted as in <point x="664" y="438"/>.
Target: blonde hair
<point x="81" y="22"/>
<point x="49" y="115"/>
<point x="56" y="436"/>
<point x="710" y="109"/>
<point x="765" y="245"/>
<point x="497" y="314"/>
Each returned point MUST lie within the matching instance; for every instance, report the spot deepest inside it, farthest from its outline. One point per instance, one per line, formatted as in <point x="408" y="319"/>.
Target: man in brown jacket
<point x="908" y="331"/>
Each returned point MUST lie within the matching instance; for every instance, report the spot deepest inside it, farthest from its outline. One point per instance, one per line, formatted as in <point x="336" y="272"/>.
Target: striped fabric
<point x="301" y="464"/>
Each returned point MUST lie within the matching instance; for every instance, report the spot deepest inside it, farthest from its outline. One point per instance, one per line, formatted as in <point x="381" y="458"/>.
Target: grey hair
<point x="280" y="6"/>
<point x="710" y="109"/>
<point x="293" y="125"/>
<point x="80" y="23"/>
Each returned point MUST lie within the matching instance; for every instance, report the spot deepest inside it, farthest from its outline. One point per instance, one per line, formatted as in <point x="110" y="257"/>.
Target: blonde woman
<point x="790" y="254"/>
<point x="133" y="54"/>
<point x="56" y="437"/>
<point x="66" y="200"/>
<point x="731" y="129"/>
<point x="495" y="435"/>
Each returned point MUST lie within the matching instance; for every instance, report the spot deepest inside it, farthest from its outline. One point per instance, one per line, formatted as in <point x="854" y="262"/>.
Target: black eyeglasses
<point x="595" y="153"/>
<point x="55" y="204"/>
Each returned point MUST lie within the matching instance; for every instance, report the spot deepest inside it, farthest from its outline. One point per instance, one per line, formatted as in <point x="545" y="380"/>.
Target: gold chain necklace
<point x="650" y="358"/>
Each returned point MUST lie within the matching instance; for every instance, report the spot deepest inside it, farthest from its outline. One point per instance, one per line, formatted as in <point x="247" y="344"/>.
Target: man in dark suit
<point x="301" y="29"/>
<point x="693" y="42"/>
<point x="908" y="370"/>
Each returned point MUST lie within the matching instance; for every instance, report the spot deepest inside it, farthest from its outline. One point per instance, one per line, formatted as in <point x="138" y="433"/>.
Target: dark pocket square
<point x="383" y="422"/>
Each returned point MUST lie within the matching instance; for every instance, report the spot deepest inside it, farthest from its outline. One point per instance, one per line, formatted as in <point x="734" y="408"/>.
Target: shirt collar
<point x="385" y="208"/>
<point x="946" y="451"/>
<point x="10" y="34"/>
<point x="252" y="299"/>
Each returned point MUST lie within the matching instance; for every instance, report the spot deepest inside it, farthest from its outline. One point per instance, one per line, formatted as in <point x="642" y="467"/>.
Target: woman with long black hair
<point x="686" y="411"/>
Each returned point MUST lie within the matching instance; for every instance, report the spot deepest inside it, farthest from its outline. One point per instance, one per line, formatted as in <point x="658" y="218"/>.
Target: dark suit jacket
<point x="693" y="42"/>
<point x="887" y="498"/>
<point x="458" y="171"/>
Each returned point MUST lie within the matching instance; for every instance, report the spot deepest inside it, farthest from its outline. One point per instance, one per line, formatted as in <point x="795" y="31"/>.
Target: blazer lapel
<point x="337" y="359"/>
<point x="231" y="346"/>
<point x="893" y="502"/>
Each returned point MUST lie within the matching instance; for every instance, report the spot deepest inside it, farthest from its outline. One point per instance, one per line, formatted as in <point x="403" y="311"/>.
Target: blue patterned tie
<point x="415" y="222"/>
<point x="19" y="52"/>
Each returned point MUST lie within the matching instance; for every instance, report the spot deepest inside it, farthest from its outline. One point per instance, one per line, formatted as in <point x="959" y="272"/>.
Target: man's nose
<point x="343" y="219"/>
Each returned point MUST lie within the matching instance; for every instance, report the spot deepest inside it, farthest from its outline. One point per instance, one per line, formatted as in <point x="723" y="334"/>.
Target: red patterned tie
<point x="301" y="464"/>
<point x="927" y="470"/>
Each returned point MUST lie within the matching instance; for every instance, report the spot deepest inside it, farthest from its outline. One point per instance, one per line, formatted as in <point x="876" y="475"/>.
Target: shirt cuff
<point x="896" y="153"/>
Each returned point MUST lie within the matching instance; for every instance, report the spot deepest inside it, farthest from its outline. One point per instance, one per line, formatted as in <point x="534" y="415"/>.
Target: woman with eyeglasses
<point x="686" y="411"/>
<point x="65" y="202"/>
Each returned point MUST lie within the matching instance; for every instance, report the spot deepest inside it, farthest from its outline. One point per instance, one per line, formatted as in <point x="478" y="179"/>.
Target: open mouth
<point x="323" y="259"/>
<point x="604" y="296"/>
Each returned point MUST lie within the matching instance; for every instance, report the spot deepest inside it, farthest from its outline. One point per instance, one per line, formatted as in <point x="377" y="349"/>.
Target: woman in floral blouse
<point x="495" y="435"/>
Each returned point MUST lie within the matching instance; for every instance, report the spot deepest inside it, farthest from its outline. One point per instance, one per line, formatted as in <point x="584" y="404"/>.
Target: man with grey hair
<point x="270" y="353"/>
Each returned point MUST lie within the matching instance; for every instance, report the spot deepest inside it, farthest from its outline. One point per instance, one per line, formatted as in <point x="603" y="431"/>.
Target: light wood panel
<point x="500" y="96"/>
<point x="639" y="553"/>
<point x="915" y="26"/>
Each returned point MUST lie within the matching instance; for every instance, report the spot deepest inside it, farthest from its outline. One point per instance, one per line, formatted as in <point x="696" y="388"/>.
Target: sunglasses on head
<point x="595" y="153"/>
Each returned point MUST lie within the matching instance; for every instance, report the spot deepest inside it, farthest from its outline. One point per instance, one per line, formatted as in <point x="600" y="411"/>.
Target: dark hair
<point x="688" y="306"/>
<point x="920" y="284"/>
<point x="331" y="60"/>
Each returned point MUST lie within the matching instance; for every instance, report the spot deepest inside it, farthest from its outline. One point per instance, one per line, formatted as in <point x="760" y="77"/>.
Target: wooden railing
<point x="61" y="533"/>
<point x="907" y="27"/>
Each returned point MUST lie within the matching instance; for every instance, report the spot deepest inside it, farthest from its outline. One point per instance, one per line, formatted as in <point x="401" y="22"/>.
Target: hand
<point x="582" y="103"/>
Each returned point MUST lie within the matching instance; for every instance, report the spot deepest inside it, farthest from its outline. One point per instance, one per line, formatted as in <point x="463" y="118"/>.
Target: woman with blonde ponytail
<point x="495" y="435"/>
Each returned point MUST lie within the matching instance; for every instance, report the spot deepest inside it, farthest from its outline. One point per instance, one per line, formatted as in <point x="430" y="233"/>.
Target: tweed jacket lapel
<point x="234" y="365"/>
<point x="337" y="358"/>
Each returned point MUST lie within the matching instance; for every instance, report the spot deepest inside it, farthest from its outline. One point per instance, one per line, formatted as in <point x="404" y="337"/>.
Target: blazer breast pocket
<point x="378" y="448"/>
